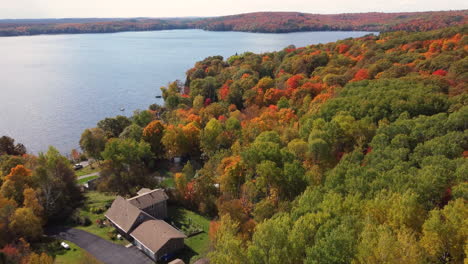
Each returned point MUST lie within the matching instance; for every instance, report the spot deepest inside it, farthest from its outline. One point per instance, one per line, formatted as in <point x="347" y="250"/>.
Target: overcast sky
<point x="177" y="8"/>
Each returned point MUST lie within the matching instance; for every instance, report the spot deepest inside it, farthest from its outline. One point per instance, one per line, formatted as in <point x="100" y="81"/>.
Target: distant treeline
<point x="266" y="22"/>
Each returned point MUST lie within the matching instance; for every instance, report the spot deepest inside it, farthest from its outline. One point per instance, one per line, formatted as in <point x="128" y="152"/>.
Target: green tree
<point x="205" y="87"/>
<point x="8" y="147"/>
<point x="93" y="141"/>
<point x="209" y="138"/>
<point x="270" y="244"/>
<point x="227" y="247"/>
<point x="56" y="184"/>
<point x="132" y="131"/>
<point x="124" y="166"/>
<point x="114" y="126"/>
<point x="142" y="118"/>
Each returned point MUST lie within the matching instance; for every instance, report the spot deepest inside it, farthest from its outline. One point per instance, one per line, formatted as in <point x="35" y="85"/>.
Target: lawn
<point x="74" y="255"/>
<point x="168" y="183"/>
<point x="87" y="170"/>
<point x="84" y="180"/>
<point x="97" y="201"/>
<point x="197" y="245"/>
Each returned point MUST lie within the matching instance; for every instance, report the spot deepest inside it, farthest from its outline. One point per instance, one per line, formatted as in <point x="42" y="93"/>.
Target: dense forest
<point x="273" y="22"/>
<point x="347" y="152"/>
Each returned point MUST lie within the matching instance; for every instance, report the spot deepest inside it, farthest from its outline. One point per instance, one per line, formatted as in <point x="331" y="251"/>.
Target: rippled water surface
<point x="52" y="87"/>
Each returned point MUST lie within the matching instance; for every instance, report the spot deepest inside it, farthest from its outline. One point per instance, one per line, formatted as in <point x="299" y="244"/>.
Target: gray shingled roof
<point x="123" y="214"/>
<point x="146" y="199"/>
<point x="154" y="234"/>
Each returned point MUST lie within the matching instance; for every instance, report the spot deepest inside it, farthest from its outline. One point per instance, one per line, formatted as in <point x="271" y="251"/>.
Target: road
<point x="101" y="249"/>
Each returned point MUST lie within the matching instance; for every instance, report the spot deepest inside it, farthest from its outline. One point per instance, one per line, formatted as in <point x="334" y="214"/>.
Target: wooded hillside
<point x="273" y="22"/>
<point x="347" y="152"/>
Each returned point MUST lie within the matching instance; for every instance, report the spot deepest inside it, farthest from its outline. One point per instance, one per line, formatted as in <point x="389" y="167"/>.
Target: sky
<point x="179" y="8"/>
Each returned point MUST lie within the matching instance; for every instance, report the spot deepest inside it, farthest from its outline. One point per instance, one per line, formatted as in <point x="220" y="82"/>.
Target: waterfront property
<point x="139" y="219"/>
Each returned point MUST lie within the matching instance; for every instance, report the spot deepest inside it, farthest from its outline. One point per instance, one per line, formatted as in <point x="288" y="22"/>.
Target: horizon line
<point x="203" y="17"/>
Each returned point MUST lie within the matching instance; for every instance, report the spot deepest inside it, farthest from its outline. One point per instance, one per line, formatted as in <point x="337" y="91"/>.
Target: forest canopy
<point x="272" y="22"/>
<point x="346" y="152"/>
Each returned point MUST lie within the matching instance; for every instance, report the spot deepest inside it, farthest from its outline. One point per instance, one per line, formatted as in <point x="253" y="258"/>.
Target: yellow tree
<point x="153" y="134"/>
<point x="227" y="246"/>
<point x="25" y="224"/>
<point x="15" y="182"/>
<point x="43" y="258"/>
<point x="31" y="201"/>
<point x="7" y="209"/>
<point x="445" y="232"/>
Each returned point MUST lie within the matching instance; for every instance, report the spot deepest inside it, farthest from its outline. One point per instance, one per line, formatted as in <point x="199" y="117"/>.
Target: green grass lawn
<point x="96" y="199"/>
<point x="87" y="170"/>
<point x="74" y="255"/>
<point x="168" y="183"/>
<point x="198" y="245"/>
<point x="81" y="181"/>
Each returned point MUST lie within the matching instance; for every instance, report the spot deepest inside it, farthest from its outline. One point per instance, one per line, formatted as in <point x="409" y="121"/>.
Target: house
<point x="91" y="184"/>
<point x="157" y="238"/>
<point x="139" y="219"/>
<point x="153" y="202"/>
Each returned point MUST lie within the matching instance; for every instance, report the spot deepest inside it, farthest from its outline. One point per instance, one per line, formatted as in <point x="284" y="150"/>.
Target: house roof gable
<point x="154" y="234"/>
<point x="148" y="198"/>
<point x="123" y="214"/>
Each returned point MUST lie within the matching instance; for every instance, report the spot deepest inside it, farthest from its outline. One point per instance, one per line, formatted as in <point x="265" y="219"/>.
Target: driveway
<point x="103" y="250"/>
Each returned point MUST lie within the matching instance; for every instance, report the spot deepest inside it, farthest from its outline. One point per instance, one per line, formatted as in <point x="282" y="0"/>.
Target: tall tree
<point x="56" y="184"/>
<point x="8" y="147"/>
<point x="93" y="141"/>
<point x="228" y="248"/>
<point x="153" y="134"/>
<point x="25" y="224"/>
<point x="124" y="168"/>
<point x="15" y="183"/>
<point x="114" y="126"/>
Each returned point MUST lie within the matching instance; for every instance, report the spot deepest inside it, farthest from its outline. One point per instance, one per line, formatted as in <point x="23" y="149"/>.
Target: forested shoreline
<point x="262" y="22"/>
<point x="347" y="152"/>
<point x="353" y="151"/>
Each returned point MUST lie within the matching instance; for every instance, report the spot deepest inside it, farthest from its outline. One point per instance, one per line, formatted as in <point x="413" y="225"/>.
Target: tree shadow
<point x="184" y="254"/>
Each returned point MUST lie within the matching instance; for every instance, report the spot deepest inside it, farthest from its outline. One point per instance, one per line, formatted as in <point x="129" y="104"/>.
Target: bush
<point x="97" y="210"/>
<point x="111" y="235"/>
<point x="100" y="223"/>
<point x="80" y="220"/>
<point x="85" y="221"/>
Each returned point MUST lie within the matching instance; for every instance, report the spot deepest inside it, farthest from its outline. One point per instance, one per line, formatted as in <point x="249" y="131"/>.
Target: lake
<point x="52" y="87"/>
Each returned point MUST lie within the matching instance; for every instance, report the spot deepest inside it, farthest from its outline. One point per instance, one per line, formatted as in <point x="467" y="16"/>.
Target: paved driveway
<point x="103" y="250"/>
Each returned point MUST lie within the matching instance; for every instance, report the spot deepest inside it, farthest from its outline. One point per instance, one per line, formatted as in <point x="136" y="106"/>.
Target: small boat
<point x="158" y="96"/>
<point x="122" y="109"/>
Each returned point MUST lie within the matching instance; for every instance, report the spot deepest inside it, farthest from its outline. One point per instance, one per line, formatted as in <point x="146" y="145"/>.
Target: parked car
<point x="65" y="245"/>
<point x="77" y="166"/>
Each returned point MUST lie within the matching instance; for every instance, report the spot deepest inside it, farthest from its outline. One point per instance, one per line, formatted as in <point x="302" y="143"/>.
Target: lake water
<point x="52" y="87"/>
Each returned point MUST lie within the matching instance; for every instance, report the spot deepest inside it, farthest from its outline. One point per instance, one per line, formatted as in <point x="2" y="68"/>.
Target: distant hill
<point x="292" y="21"/>
<point x="267" y="22"/>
